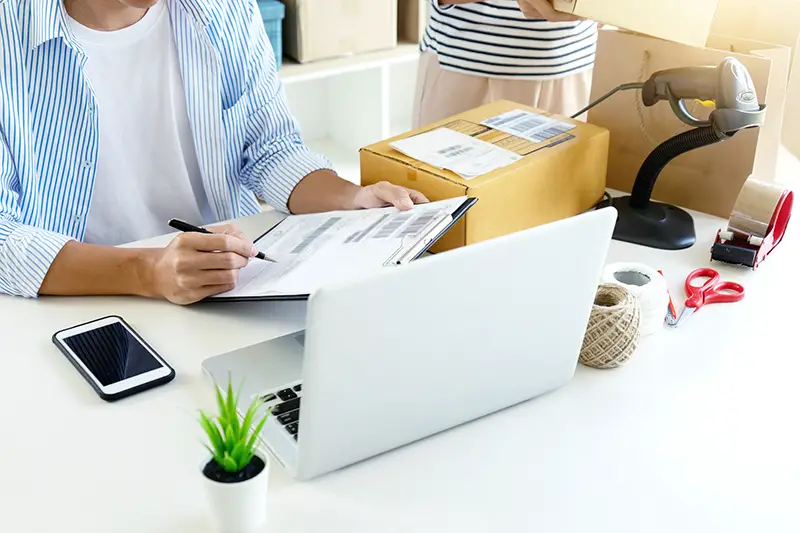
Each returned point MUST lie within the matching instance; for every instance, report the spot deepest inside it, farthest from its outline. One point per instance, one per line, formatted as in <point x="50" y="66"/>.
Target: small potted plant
<point x="237" y="473"/>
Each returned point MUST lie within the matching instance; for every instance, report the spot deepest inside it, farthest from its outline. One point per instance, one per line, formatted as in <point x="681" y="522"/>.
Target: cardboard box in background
<point x="558" y="178"/>
<point x="412" y="17"/>
<point x="773" y="21"/>
<point x="706" y="179"/>
<point x="323" y="29"/>
<point x="683" y="21"/>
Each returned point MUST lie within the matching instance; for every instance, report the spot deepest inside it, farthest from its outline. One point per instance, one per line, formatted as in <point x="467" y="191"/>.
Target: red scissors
<point x="712" y="291"/>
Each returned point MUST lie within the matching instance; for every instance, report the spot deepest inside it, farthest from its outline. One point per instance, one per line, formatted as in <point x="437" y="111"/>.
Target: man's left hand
<point x="384" y="194"/>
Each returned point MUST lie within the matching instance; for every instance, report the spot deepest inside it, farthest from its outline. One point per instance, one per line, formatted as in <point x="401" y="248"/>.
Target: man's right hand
<point x="197" y="265"/>
<point x="543" y="9"/>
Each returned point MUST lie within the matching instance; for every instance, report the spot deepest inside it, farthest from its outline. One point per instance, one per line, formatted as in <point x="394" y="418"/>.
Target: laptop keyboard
<point x="285" y="407"/>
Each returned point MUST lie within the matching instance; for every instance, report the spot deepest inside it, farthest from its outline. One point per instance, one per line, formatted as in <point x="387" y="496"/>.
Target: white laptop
<point x="416" y="349"/>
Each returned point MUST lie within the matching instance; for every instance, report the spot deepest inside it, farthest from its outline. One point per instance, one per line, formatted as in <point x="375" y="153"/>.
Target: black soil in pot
<point x="215" y="472"/>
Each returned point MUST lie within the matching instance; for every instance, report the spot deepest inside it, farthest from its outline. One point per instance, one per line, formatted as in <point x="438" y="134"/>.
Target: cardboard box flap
<point x="683" y="21"/>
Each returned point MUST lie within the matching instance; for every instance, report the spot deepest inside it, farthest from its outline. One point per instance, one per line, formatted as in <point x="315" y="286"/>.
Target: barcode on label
<point x="360" y="236"/>
<point x="454" y="151"/>
<point x="386" y="231"/>
<point x="306" y="242"/>
<point x="556" y="129"/>
<point x="527" y="124"/>
<point x="418" y="224"/>
<point x="502" y="120"/>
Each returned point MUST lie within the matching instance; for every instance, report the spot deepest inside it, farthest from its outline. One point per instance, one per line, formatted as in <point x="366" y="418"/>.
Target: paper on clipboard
<point x="320" y="249"/>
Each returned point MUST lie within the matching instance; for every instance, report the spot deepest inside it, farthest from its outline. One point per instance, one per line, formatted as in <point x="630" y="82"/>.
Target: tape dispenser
<point x="757" y="224"/>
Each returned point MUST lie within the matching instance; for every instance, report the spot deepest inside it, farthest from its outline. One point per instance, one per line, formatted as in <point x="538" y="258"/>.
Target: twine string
<point x="612" y="335"/>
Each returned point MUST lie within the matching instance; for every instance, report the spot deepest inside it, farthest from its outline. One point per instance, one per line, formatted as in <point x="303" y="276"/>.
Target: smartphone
<point x="113" y="358"/>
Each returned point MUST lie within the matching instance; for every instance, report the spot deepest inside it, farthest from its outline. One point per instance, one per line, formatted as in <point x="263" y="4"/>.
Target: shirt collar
<point x="47" y="21"/>
<point x="200" y="10"/>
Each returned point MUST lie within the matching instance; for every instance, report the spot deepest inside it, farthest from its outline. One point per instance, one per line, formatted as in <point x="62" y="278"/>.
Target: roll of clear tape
<point x="754" y="208"/>
<point x="649" y="288"/>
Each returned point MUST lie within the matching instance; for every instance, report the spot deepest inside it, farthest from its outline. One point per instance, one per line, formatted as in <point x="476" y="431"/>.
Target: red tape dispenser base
<point x="757" y="225"/>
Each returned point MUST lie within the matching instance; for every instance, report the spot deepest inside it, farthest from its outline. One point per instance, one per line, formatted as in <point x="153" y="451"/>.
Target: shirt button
<point x="87" y="165"/>
<point x="77" y="218"/>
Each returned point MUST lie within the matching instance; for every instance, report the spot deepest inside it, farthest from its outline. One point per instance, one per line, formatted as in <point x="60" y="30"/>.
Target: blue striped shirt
<point x="248" y="144"/>
<point x="494" y="38"/>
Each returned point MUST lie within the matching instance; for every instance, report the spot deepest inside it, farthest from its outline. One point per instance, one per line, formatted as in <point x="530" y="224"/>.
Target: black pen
<point x="185" y="227"/>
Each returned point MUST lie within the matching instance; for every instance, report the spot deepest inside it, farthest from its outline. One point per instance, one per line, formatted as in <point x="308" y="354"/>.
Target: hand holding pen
<point x="196" y="264"/>
<point x="180" y="225"/>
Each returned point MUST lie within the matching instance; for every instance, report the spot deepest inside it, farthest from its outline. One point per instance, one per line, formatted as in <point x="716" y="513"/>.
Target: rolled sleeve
<point x="276" y="159"/>
<point x="26" y="254"/>
<point x="284" y="169"/>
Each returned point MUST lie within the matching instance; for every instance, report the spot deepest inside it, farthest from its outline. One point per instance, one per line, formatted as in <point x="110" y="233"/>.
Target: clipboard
<point x="393" y="254"/>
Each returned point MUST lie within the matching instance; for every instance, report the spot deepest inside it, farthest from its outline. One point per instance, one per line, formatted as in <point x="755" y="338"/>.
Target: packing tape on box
<point x="758" y="208"/>
<point x="649" y="288"/>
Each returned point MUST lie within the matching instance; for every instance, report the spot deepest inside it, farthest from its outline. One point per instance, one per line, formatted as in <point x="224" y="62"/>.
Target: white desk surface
<point x="699" y="432"/>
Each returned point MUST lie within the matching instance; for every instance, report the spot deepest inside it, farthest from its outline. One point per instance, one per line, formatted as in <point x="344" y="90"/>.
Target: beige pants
<point x="443" y="93"/>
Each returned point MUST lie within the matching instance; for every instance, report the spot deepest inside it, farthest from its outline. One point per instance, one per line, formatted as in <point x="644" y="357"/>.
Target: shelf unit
<point x="345" y="103"/>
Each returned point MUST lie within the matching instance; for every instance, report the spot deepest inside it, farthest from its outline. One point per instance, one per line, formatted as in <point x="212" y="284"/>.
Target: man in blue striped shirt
<point x="117" y="115"/>
<point x="475" y="52"/>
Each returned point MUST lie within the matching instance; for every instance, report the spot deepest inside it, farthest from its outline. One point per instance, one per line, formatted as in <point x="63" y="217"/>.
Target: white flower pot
<point x="239" y="507"/>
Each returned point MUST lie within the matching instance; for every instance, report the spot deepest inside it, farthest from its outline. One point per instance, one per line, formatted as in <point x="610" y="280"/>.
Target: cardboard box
<point x="769" y="21"/>
<point x="682" y="21"/>
<point x="323" y="29"/>
<point x="557" y="178"/>
<point x="707" y="179"/>
<point x="412" y="18"/>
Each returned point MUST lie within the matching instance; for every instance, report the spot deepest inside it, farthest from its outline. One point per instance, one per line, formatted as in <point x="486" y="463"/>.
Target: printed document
<point x="451" y="150"/>
<point x="319" y="249"/>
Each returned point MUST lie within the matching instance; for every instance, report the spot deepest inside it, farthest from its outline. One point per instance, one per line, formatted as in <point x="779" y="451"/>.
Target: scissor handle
<point x="724" y="292"/>
<point x="712" y="290"/>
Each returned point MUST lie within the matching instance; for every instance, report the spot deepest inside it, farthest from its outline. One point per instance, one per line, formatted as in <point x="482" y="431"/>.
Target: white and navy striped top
<point x="247" y="143"/>
<point x="494" y="38"/>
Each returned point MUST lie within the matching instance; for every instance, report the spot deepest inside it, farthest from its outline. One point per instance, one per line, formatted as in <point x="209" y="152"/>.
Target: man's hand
<point x="197" y="265"/>
<point x="323" y="191"/>
<point x="543" y="9"/>
<point x="384" y="194"/>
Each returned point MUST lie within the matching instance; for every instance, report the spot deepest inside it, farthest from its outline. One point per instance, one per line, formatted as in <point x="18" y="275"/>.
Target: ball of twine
<point x="614" y="327"/>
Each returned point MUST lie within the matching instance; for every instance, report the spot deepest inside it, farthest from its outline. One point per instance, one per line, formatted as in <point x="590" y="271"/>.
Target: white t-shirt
<point x="147" y="170"/>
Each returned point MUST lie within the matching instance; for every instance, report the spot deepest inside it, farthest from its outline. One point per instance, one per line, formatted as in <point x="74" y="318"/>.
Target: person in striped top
<point x="475" y="52"/>
<point x="117" y="115"/>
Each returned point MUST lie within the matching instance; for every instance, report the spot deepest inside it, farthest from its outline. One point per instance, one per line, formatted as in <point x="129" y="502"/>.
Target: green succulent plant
<point x="231" y="441"/>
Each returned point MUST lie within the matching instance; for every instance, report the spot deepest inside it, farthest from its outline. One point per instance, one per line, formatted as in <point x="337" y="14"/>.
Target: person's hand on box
<point x="543" y="9"/>
<point x="384" y="194"/>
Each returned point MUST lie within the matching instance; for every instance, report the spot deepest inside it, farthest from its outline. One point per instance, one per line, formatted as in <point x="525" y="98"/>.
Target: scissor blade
<point x="686" y="313"/>
<point x="670" y="317"/>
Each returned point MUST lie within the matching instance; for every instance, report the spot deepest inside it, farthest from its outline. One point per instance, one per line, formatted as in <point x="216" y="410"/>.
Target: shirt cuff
<point x="26" y="257"/>
<point x="289" y="169"/>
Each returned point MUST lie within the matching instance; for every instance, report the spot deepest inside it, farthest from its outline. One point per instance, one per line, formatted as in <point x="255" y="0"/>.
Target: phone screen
<point x="112" y="353"/>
